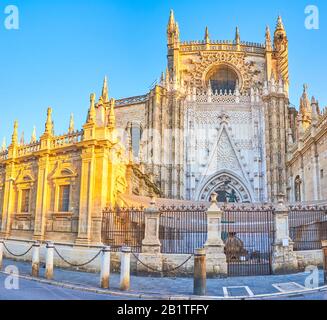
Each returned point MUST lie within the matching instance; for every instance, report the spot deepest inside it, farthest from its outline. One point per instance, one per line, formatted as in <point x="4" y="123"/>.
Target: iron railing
<point x="308" y="227"/>
<point x="182" y="229"/>
<point x="123" y="227"/>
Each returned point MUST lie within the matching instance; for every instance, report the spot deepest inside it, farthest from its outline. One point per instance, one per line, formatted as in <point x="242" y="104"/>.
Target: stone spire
<point x="171" y="22"/>
<point x="206" y="35"/>
<point x="71" y="128"/>
<point x="22" y="139"/>
<point x="305" y="108"/>
<point x="172" y="30"/>
<point x="105" y="91"/>
<point x="33" y="138"/>
<point x="280" y="24"/>
<point x="14" y="138"/>
<point x="237" y="36"/>
<point x="49" y="127"/>
<point x="268" y="39"/>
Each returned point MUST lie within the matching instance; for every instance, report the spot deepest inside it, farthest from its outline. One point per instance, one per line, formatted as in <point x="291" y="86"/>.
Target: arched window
<point x="136" y="136"/>
<point x="297" y="188"/>
<point x="223" y="78"/>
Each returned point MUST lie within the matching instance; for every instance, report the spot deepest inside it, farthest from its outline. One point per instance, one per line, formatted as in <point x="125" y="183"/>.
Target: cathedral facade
<point x="218" y="120"/>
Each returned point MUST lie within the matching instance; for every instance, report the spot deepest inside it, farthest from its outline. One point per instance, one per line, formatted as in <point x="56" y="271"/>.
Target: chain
<point x="17" y="255"/>
<point x="77" y="265"/>
<point x="166" y="271"/>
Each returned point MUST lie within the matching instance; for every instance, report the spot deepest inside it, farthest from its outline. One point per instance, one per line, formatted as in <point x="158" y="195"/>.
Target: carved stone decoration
<point x="236" y="60"/>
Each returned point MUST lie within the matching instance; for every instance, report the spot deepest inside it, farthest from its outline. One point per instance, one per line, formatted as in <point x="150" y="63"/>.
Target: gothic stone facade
<point x="218" y="120"/>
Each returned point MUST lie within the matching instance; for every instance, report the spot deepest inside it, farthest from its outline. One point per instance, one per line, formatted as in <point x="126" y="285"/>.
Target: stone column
<point x="151" y="246"/>
<point x="284" y="259"/>
<point x="216" y="258"/>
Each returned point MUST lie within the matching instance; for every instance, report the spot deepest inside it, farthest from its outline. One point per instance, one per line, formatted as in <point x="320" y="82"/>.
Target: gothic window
<point x="223" y="78"/>
<point x="64" y="192"/>
<point x="25" y="201"/>
<point x="136" y="136"/>
<point x="298" y="183"/>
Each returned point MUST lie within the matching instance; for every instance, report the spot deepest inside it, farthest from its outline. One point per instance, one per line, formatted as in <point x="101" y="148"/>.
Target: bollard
<point x="49" y="261"/>
<point x="36" y="259"/>
<point x="1" y="253"/>
<point x="125" y="261"/>
<point x="200" y="275"/>
<point x="105" y="268"/>
<point x="324" y="252"/>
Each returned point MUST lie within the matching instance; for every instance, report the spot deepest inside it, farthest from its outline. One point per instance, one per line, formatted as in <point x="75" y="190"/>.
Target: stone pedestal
<point x="284" y="259"/>
<point x="151" y="258"/>
<point x="216" y="259"/>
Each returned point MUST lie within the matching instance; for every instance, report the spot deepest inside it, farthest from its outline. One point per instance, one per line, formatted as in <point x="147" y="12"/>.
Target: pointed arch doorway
<point x="229" y="188"/>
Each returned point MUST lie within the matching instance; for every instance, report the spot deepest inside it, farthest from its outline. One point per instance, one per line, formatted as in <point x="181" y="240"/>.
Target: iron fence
<point x="182" y="229"/>
<point x="123" y="227"/>
<point x="248" y="234"/>
<point x="308" y="227"/>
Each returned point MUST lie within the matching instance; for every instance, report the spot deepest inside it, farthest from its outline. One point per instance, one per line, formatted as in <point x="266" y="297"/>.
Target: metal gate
<point x="123" y="227"/>
<point x="248" y="233"/>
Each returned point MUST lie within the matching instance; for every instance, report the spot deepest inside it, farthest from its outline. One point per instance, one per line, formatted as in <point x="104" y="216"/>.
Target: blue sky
<point x="64" y="48"/>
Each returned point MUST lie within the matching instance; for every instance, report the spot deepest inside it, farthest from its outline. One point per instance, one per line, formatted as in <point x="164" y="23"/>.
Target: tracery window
<point x="25" y="201"/>
<point x="223" y="78"/>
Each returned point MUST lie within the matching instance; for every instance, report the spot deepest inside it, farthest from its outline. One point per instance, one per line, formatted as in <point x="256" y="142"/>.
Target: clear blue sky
<point x="64" y="48"/>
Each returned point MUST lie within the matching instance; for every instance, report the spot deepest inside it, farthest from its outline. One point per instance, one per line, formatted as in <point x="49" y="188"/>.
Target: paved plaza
<point x="86" y="286"/>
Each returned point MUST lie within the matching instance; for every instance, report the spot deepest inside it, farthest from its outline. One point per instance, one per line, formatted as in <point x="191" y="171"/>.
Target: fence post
<point x="216" y="258"/>
<point x="125" y="268"/>
<point x="1" y="253"/>
<point x="49" y="261"/>
<point x="36" y="259"/>
<point x="200" y="274"/>
<point x="324" y="255"/>
<point x="105" y="268"/>
<point x="284" y="259"/>
<point x="151" y="247"/>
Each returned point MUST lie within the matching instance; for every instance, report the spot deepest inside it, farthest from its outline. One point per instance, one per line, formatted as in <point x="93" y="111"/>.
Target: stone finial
<point x="49" y="123"/>
<point x="171" y="21"/>
<point x="105" y="90"/>
<point x="214" y="197"/>
<point x="268" y="39"/>
<point x="22" y="139"/>
<point x="33" y="137"/>
<point x="14" y="139"/>
<point x="4" y="144"/>
<point x="206" y="35"/>
<point x="237" y="36"/>
<point x="71" y="128"/>
<point x="92" y="113"/>
<point x="281" y="198"/>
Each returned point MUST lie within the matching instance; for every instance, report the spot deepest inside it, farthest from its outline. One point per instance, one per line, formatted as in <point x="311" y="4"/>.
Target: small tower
<point x="305" y="109"/>
<point x="281" y="48"/>
<point x="172" y="30"/>
<point x="14" y="137"/>
<point x="49" y="127"/>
